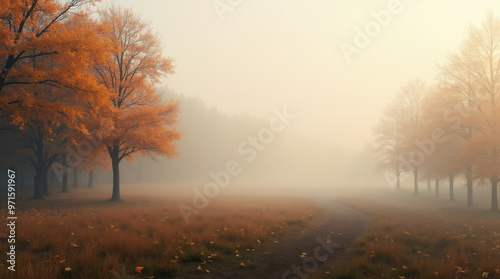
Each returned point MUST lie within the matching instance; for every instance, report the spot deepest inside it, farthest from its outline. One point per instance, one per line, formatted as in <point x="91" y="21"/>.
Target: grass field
<point x="440" y="242"/>
<point x="81" y="235"/>
<point x="73" y="236"/>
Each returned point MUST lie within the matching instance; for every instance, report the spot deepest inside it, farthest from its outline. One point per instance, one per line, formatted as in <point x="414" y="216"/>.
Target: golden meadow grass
<point x="402" y="243"/>
<point x="150" y="240"/>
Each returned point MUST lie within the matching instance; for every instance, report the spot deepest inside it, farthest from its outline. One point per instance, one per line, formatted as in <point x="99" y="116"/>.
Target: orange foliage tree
<point x="464" y="111"/>
<point x="457" y="95"/>
<point x="47" y="52"/>
<point x="142" y="123"/>
<point x="441" y="135"/>
<point x="33" y="29"/>
<point x="482" y="59"/>
<point x="472" y="77"/>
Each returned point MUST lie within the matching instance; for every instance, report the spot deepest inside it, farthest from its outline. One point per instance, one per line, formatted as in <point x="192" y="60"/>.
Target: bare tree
<point x="410" y="99"/>
<point x="389" y="140"/>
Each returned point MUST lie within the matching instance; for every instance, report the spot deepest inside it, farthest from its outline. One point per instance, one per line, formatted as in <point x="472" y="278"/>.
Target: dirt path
<point x="322" y="246"/>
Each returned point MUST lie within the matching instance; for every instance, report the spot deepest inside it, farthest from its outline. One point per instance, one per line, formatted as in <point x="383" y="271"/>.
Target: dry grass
<point x="94" y="240"/>
<point x="406" y="244"/>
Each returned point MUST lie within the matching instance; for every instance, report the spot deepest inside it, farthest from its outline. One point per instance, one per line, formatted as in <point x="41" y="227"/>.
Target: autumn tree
<point x="410" y="100"/>
<point x="388" y="142"/>
<point x="480" y="58"/>
<point x="94" y="157"/>
<point x="47" y="49"/>
<point x="458" y="94"/>
<point x="142" y="124"/>
<point x="34" y="29"/>
<point x="85" y="151"/>
<point x="442" y="134"/>
<point x="466" y="108"/>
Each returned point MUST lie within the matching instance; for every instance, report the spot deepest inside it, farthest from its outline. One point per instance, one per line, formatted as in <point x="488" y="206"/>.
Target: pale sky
<point x="270" y="54"/>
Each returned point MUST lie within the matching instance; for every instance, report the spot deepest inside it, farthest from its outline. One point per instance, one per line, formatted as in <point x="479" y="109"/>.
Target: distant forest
<point x="210" y="139"/>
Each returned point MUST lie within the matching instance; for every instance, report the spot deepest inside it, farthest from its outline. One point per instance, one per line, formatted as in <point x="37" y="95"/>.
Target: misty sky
<point x="267" y="54"/>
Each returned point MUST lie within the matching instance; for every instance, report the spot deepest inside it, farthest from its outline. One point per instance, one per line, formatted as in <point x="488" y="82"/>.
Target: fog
<point x="264" y="55"/>
<point x="250" y="139"/>
<point x="239" y="63"/>
<point x="235" y="66"/>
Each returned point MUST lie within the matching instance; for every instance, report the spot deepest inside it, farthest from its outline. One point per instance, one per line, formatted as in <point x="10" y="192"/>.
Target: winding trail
<point x="328" y="242"/>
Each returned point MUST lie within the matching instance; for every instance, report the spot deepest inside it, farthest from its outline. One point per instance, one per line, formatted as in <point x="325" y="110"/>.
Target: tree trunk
<point x="494" y="194"/>
<point x="470" y="200"/>
<point x="437" y="187"/>
<point x="415" y="181"/>
<point x="38" y="195"/>
<point x="65" y="180"/>
<point x="91" y="179"/>
<point x="45" y="182"/>
<point x="116" y="179"/>
<point x="75" y="178"/>
<point x="39" y="170"/>
<point x="452" y="192"/>
<point x="429" y="188"/>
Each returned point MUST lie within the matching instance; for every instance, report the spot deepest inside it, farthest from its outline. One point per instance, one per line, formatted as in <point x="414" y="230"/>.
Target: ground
<point x="342" y="227"/>
<point x="390" y="235"/>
